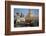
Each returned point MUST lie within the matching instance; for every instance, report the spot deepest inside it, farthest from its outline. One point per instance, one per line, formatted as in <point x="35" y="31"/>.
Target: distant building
<point x="29" y="17"/>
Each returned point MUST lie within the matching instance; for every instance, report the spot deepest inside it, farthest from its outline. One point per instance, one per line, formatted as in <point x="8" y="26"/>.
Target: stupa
<point x="29" y="18"/>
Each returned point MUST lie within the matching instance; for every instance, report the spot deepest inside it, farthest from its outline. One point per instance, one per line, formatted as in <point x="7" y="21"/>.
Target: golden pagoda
<point x="29" y="17"/>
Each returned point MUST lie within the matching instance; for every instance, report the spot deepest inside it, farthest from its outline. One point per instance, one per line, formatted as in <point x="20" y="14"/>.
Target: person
<point x="17" y="19"/>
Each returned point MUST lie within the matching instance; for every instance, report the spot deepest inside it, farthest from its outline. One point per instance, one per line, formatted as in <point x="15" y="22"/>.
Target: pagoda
<point x="29" y="18"/>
